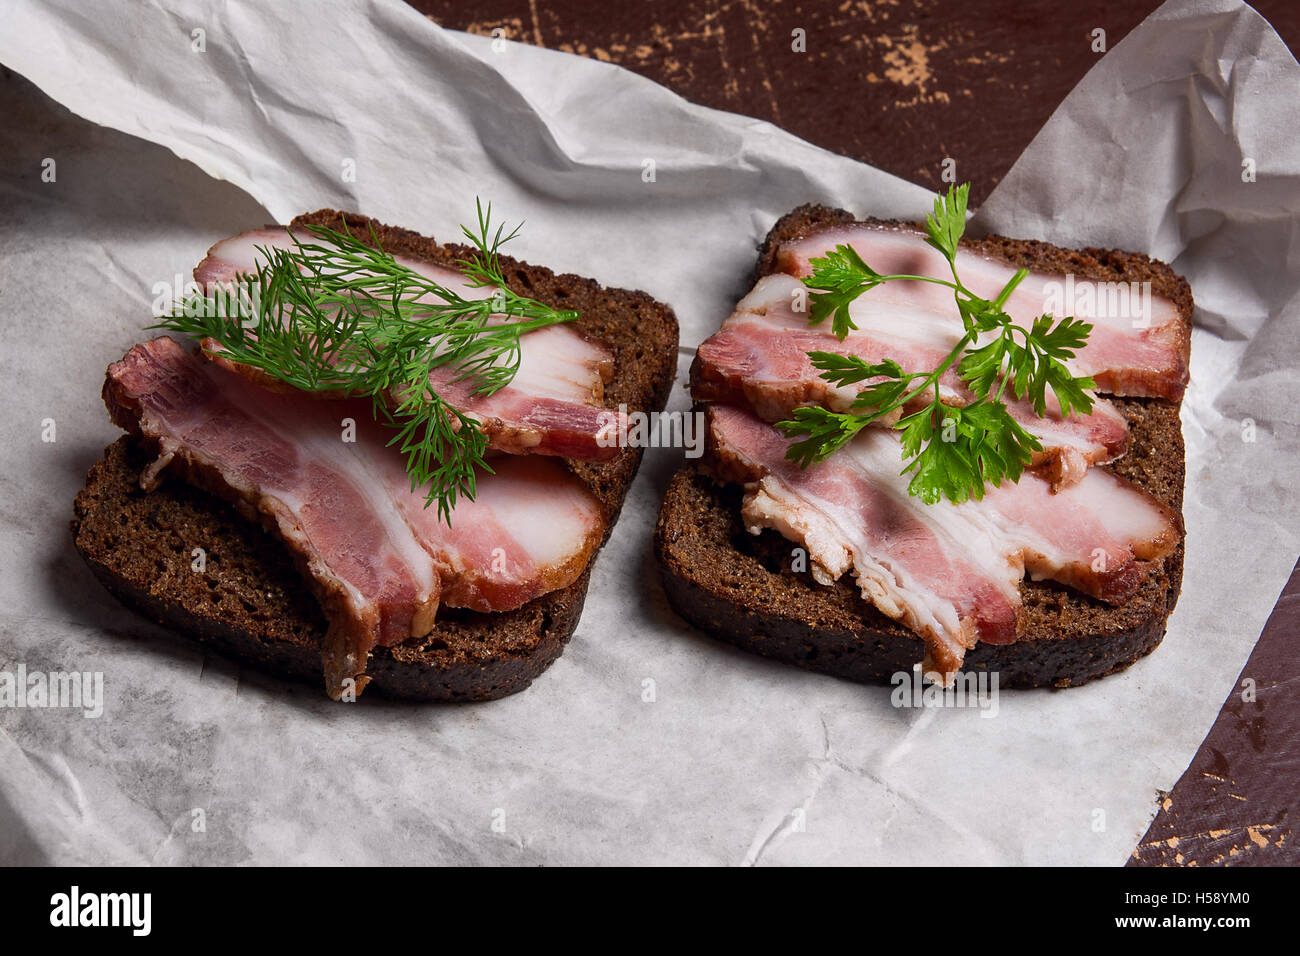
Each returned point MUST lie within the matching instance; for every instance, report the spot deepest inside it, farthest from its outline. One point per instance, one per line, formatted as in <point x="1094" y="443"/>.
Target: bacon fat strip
<point x="1126" y="353"/>
<point x="949" y="572"/>
<point x="760" y="358"/>
<point x="553" y="406"/>
<point x="378" y="560"/>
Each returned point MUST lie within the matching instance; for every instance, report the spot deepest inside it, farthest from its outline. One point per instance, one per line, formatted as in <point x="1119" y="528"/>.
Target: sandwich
<point x="926" y="449"/>
<point x="360" y="454"/>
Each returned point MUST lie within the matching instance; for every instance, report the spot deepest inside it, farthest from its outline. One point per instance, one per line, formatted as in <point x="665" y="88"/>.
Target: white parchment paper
<point x="736" y="760"/>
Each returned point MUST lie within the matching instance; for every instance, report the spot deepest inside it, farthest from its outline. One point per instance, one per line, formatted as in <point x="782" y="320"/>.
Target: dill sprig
<point x="335" y="314"/>
<point x="951" y="451"/>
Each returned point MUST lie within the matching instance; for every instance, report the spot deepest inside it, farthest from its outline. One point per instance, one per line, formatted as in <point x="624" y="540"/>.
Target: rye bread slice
<point x="251" y="603"/>
<point x="740" y="588"/>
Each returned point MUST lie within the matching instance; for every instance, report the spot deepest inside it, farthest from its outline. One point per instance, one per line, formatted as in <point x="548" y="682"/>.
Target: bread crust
<point x="252" y="605"/>
<point x="741" y="589"/>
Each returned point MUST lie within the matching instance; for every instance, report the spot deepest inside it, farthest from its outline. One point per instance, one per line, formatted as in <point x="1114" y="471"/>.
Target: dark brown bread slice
<point x="250" y="602"/>
<point x="741" y="589"/>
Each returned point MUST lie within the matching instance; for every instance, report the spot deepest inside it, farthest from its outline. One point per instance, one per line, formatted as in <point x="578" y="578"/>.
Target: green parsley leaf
<point x="844" y="370"/>
<point x="956" y="451"/>
<point x="827" y="432"/>
<point x="882" y="394"/>
<point x="947" y="223"/>
<point x="940" y="469"/>
<point x="979" y="314"/>
<point x="836" y="281"/>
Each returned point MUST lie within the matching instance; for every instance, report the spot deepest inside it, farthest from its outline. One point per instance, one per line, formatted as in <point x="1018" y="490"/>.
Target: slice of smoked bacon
<point x="319" y="475"/>
<point x="554" y="404"/>
<point x="760" y="359"/>
<point x="949" y="572"/>
<point x="1132" y="350"/>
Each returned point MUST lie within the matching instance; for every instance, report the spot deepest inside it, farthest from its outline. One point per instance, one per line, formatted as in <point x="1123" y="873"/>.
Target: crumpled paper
<point x="646" y="742"/>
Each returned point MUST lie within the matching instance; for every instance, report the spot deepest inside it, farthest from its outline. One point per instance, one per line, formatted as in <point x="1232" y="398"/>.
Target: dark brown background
<point x="902" y="84"/>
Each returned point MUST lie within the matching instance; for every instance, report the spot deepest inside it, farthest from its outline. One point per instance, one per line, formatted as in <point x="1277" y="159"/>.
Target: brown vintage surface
<point x="903" y="84"/>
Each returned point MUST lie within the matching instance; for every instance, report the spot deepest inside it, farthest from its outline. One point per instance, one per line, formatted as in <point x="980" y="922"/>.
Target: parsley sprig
<point x="951" y="451"/>
<point x="336" y="314"/>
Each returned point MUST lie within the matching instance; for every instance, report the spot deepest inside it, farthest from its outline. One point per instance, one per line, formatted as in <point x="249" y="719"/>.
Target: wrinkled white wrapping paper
<point x="1145" y="154"/>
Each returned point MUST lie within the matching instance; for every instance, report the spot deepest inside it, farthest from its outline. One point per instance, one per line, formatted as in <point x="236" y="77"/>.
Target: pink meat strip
<point x="1126" y="354"/>
<point x="760" y="359"/>
<point x="553" y="406"/>
<point x="379" y="561"/>
<point x="949" y="572"/>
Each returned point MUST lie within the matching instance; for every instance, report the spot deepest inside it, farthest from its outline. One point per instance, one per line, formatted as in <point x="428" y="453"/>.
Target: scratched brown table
<point x="904" y="84"/>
